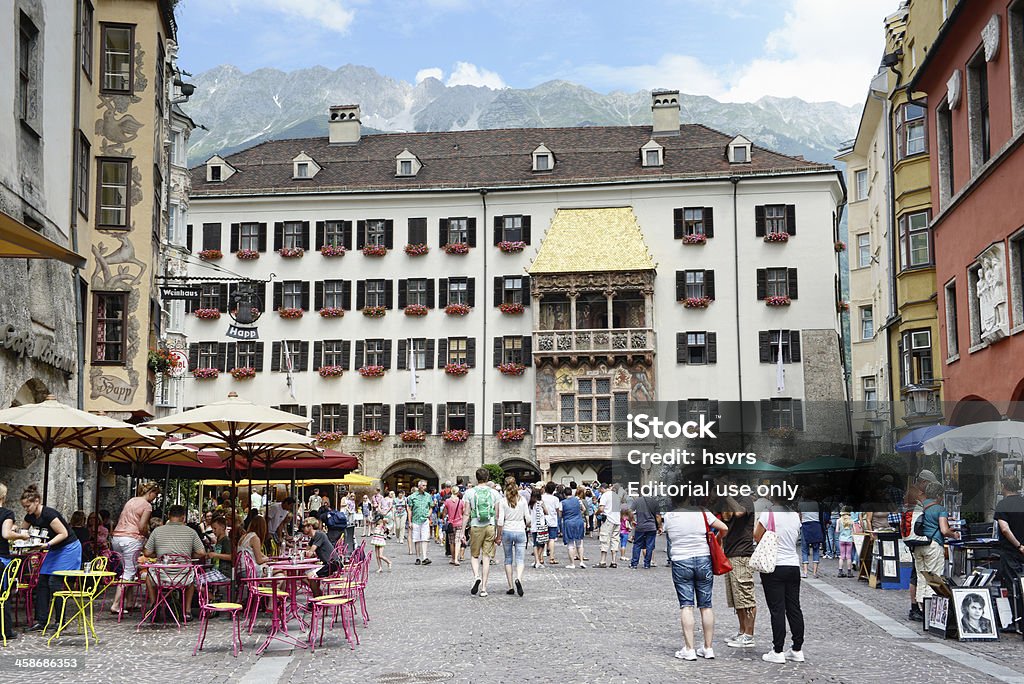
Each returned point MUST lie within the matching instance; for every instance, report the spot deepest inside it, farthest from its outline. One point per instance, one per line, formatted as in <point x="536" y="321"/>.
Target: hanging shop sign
<point x="187" y="294"/>
<point x="245" y="308"/>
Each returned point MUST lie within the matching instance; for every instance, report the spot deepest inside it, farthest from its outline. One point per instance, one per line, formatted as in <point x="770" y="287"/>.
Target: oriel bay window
<point x="910" y="130"/>
<point x="915" y="240"/>
<point x="109" y="327"/>
<point x="117" y="42"/>
<point x="915" y="349"/>
<point x="112" y="208"/>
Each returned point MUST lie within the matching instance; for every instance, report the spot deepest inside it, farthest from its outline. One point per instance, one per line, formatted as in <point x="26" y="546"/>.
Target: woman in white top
<point x="686" y="527"/>
<point x="539" y="513"/>
<point x="513" y="518"/>
<point x="782" y="587"/>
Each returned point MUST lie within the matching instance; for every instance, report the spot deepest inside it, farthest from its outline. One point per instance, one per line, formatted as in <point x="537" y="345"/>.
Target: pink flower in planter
<point x="211" y="254"/>
<point x="247" y="254"/>
<point x="291" y="252"/>
<point x="776" y="237"/>
<point x="418" y="249"/>
<point x="207" y="314"/>
<point x="777" y="300"/>
<point x="243" y="372"/>
<point x="511" y="246"/>
<point x="416" y="310"/>
<point x="332" y="312"/>
<point x="455" y="435"/>
<point x="332" y="251"/>
<point x="330" y="371"/>
<point x="456" y="309"/>
<point x="414" y="436"/>
<point x="372" y="371"/>
<point x="512" y="308"/>
<point x="205" y="373"/>
<point x="329" y="437"/>
<point x="371" y="436"/>
<point x="456" y="369"/>
<point x="696" y="302"/>
<point x="374" y="311"/>
<point x="511" y="368"/>
<point x="289" y="312"/>
<point x="456" y="248"/>
<point x="375" y="250"/>
<point x="695" y="239"/>
<point x="511" y="434"/>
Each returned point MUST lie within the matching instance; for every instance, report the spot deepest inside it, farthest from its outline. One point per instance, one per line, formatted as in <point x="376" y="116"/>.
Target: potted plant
<point x="511" y="246"/>
<point x="777" y="300"/>
<point x="243" y="372"/>
<point x="329" y="437"/>
<point x="418" y="249"/>
<point x="160" y="361"/>
<point x="291" y="252"/>
<point x="456" y="309"/>
<point x="842" y="306"/>
<point x="332" y="251"/>
<point x="289" y="312"/>
<point x="211" y="254"/>
<point x="456" y="248"/>
<point x="414" y="436"/>
<point x="330" y="371"/>
<point x="511" y="434"/>
<point x="416" y="310"/>
<point x="511" y="368"/>
<point x="372" y="371"/>
<point x="332" y="312"/>
<point x="511" y="308"/>
<point x="375" y="250"/>
<point x="455" y="435"/>
<point x="840" y="246"/>
<point x="696" y="302"/>
<point x="247" y="254"/>
<point x="695" y="239"/>
<point x="776" y="237"/>
<point x="207" y="314"/>
<point x="456" y="368"/>
<point x="205" y="373"/>
<point x="374" y="311"/>
<point x="371" y="436"/>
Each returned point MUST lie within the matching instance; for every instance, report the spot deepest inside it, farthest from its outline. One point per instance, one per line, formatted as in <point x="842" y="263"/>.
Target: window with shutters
<point x="208" y="355"/>
<point x="246" y="355"/>
<point x="416" y="292"/>
<point x="373" y="417"/>
<point x="512" y="292"/>
<point x="775" y="218"/>
<point x="458" y="230"/>
<point x="334" y="233"/>
<point x="781" y="414"/>
<point x="376" y="353"/>
<point x="291" y="235"/>
<point x="512" y="228"/>
<point x="333" y="418"/>
<point x="915" y="240"/>
<point x="249" y="236"/>
<point x="415" y="417"/>
<point x="915" y="349"/>
<point x="455" y="415"/>
<point x="777" y="282"/>
<point x="512" y="349"/>
<point x="376" y="293"/>
<point x="88" y="14"/>
<point x="376" y="233"/>
<point x="112" y="207"/>
<point x="693" y="221"/>
<point x="117" y="58"/>
<point x="294" y="409"/>
<point x="334" y="293"/>
<point x="417" y="231"/>
<point x="419" y="352"/>
<point x="109" y="327"/>
<point x="694" y="284"/>
<point x="291" y="355"/>
<point x="512" y="415"/>
<point x="209" y="296"/>
<point x="790" y="349"/>
<point x="696" y="408"/>
<point x="334" y="353"/>
<point x="696" y="348"/>
<point x="458" y="291"/>
<point x="82" y="151"/>
<point x="458" y="350"/>
<point x="291" y="295"/>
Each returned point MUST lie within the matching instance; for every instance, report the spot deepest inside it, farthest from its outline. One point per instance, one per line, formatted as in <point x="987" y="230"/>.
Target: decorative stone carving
<point x="990" y="38"/>
<point x="954" y="89"/>
<point x="123" y="258"/>
<point x="991" y="289"/>
<point x="572" y="283"/>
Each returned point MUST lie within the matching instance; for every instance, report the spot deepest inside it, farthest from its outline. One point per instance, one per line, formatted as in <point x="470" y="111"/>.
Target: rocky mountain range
<point x="242" y="109"/>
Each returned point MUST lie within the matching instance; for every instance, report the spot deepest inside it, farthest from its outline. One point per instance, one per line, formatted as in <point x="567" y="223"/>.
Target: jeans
<point x="813" y="550"/>
<point x="831" y="542"/>
<point x="514" y="545"/>
<point x="350" y="537"/>
<point x="693" y="581"/>
<point x="643" y="541"/>
<point x="782" y="594"/>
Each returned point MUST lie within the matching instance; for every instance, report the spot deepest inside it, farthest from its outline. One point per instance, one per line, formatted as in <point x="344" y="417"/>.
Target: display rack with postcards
<point x="963" y="612"/>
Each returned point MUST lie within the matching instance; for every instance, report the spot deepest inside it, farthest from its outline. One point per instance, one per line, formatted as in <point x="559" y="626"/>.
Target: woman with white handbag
<point x="778" y="529"/>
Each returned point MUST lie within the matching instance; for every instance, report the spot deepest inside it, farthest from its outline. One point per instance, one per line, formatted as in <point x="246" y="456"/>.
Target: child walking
<point x="844" y="533"/>
<point x="378" y="540"/>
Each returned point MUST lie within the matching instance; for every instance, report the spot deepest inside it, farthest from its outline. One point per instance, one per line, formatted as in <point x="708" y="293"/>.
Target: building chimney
<point x="665" y="109"/>
<point x="343" y="125"/>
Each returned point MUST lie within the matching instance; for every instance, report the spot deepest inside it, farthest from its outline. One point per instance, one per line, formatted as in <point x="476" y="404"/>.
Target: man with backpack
<point x="482" y="507"/>
<point x="333" y="520"/>
<point x="931" y="528"/>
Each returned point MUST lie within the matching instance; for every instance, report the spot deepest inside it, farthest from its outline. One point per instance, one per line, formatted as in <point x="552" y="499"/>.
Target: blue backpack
<point x="337" y="519"/>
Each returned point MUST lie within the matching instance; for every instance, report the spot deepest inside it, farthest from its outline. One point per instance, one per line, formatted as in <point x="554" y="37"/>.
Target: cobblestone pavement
<point x="593" y="625"/>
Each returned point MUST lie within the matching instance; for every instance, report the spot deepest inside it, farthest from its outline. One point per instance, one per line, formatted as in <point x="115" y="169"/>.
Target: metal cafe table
<point x="289" y="575"/>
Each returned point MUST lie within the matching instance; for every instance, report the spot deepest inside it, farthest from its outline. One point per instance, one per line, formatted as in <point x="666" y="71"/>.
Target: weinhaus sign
<point x="27" y="344"/>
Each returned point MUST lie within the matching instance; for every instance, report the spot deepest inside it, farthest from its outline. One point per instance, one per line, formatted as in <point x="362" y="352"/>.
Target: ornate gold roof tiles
<point x="593" y="240"/>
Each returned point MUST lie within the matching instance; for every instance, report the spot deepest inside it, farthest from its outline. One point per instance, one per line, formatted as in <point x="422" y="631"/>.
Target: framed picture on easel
<point x="975" y="617"/>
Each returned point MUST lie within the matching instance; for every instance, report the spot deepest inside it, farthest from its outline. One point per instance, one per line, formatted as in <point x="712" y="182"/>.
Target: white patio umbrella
<point x="53" y="425"/>
<point x="994" y="436"/>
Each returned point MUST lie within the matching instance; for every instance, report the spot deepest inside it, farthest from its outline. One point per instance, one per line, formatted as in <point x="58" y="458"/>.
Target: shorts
<point x="609" y="535"/>
<point x="129" y="548"/>
<point x="481" y="539"/>
<point x="323" y="571"/>
<point x="739" y="584"/>
<point x="693" y="580"/>
<point x="623" y="539"/>
<point x="421" y="531"/>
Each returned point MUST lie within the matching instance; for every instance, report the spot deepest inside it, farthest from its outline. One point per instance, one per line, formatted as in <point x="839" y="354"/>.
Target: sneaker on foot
<point x="734" y="637"/>
<point x="426" y="561"/>
<point x="571" y="567"/>
<point x="511" y="592"/>
<point x="773" y="657"/>
<point x="706" y="652"/>
<point x="418" y="561"/>
<point x="742" y="641"/>
<point x="483" y="594"/>
<point x="687" y="654"/>
<point x="583" y="566"/>
<point x="476" y="586"/>
<point x="795" y="656"/>
<point x="519" y="587"/>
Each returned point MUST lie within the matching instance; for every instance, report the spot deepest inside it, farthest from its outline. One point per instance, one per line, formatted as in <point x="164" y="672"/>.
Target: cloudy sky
<point x="732" y="50"/>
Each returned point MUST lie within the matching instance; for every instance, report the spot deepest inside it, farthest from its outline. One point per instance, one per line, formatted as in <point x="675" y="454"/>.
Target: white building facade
<point x="620" y="226"/>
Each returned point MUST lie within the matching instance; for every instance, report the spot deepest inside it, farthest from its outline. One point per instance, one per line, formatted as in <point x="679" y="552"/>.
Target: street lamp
<point x="918" y="399"/>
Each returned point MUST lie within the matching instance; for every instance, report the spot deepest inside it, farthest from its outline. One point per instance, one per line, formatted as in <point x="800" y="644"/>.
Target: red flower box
<point x="375" y="250"/>
<point x="456" y="309"/>
<point x="511" y="368"/>
<point x="456" y="248"/>
<point x="205" y="373"/>
<point x="777" y="300"/>
<point x="414" y="436"/>
<point x="374" y="311"/>
<point x="695" y="239"/>
<point x="776" y="237"/>
<point x="511" y="246"/>
<point x="211" y="254"/>
<point x="371" y="436"/>
<point x="416" y="310"/>
<point x="329" y="437"/>
<point x="372" y="371"/>
<point x="332" y="251"/>
<point x="455" y="435"/>
<point x="511" y="434"/>
<point x="332" y="312"/>
<point x="289" y="312"/>
<point x="291" y="252"/>
<point x="696" y="302"/>
<point x="243" y="372"/>
<point x="514" y="308"/>
<point x="247" y="254"/>
<point x="418" y="249"/>
<point x="456" y="369"/>
<point x="330" y="371"/>
<point x="207" y="314"/>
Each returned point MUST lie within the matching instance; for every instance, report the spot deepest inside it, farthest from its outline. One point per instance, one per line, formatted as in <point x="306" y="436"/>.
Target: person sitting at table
<point x="8" y="533"/>
<point x="130" y="535"/>
<point x="99" y="534"/>
<point x="321" y="547"/>
<point x="78" y="527"/>
<point x="221" y="553"/>
<point x="64" y="550"/>
<point x="251" y="544"/>
<point x="174" y="538"/>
